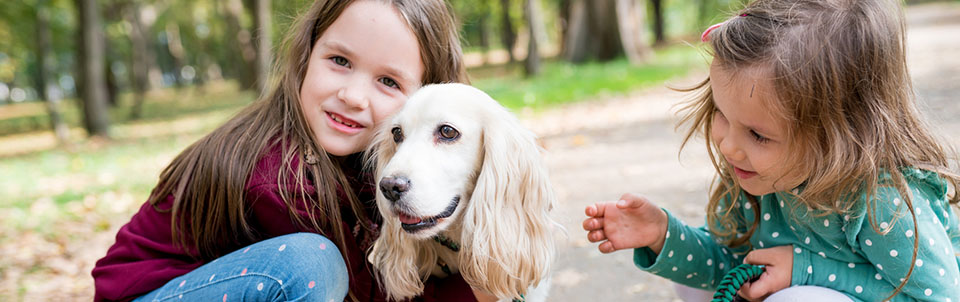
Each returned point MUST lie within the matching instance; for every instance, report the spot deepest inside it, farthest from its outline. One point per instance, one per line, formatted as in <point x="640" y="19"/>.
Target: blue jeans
<point x="294" y="267"/>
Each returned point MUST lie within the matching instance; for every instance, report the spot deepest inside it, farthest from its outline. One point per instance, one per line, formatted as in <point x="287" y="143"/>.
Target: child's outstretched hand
<point x="631" y="222"/>
<point x="777" y="275"/>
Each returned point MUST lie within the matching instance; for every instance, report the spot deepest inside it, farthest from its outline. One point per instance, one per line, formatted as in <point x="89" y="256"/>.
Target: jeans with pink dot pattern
<point x="294" y="267"/>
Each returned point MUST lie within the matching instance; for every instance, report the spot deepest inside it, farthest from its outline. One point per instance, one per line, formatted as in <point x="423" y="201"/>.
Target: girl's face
<point x="749" y="135"/>
<point x="361" y="70"/>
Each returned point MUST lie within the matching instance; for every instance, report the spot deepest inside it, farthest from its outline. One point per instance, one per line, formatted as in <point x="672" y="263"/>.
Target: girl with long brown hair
<point x="275" y="204"/>
<point x="827" y="174"/>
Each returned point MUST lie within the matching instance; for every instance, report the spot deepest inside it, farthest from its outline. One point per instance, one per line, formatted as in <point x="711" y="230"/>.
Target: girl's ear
<point x="508" y="244"/>
<point x="401" y="262"/>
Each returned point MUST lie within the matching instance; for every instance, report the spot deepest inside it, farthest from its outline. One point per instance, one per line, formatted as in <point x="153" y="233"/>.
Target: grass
<point x="562" y="82"/>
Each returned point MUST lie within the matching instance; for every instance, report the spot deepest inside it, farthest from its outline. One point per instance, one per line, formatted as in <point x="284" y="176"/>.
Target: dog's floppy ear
<point x="506" y="225"/>
<point x="394" y="254"/>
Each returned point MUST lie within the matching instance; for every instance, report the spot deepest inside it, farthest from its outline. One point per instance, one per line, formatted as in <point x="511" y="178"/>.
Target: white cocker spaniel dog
<point x="462" y="189"/>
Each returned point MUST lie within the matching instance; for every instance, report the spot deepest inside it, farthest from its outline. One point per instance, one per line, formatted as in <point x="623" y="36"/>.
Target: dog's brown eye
<point x="448" y="133"/>
<point x="397" y="134"/>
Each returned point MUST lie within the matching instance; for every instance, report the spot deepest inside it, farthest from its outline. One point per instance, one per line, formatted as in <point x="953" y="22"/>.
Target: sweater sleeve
<point x="886" y="239"/>
<point x="690" y="256"/>
<point x="143" y="258"/>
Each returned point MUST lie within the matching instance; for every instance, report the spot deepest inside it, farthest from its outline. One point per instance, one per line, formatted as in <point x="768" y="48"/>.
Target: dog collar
<point x="447" y="242"/>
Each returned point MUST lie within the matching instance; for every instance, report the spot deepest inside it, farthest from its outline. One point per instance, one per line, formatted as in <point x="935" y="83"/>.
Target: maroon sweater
<point x="145" y="257"/>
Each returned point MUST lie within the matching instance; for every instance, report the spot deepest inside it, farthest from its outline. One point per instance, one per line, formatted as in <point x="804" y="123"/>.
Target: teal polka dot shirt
<point x="863" y="256"/>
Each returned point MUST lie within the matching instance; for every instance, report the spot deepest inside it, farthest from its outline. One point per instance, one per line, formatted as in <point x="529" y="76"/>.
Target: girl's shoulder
<point x="921" y="183"/>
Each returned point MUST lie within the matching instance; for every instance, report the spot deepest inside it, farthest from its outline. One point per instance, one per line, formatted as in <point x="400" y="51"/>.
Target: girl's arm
<point x="690" y="256"/>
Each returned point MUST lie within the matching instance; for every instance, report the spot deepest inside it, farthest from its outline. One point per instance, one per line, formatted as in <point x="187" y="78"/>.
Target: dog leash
<point x="734" y="279"/>
<point x="454" y="246"/>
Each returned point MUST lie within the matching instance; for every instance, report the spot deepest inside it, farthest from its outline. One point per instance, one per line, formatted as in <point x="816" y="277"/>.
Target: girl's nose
<point x="730" y="150"/>
<point x="353" y="95"/>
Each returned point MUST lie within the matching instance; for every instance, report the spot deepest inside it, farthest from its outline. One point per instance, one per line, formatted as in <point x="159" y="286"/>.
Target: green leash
<point x="734" y="279"/>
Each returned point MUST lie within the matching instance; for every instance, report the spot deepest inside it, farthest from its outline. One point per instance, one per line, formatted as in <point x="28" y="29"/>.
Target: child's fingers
<point x="606" y="247"/>
<point x="631" y="201"/>
<point x="591" y="211"/>
<point x="756" y="290"/>
<point x="596" y="236"/>
<point x="596" y="210"/>
<point x="591" y="224"/>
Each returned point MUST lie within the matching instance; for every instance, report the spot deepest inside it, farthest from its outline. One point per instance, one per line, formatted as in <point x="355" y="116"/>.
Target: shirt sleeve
<point x="690" y="256"/>
<point x="886" y="238"/>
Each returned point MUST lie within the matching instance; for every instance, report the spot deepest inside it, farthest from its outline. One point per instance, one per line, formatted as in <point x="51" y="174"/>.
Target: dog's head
<point x="454" y="161"/>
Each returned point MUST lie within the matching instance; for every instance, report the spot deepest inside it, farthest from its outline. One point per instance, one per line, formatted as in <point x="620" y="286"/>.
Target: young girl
<point x="223" y="222"/>
<point x="827" y="175"/>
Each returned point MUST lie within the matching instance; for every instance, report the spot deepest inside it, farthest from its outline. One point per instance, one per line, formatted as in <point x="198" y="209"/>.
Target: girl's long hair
<point x="207" y="180"/>
<point x="840" y="75"/>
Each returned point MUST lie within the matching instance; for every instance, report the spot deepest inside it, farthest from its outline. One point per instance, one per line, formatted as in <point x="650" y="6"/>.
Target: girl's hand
<point x="631" y="222"/>
<point x="777" y="275"/>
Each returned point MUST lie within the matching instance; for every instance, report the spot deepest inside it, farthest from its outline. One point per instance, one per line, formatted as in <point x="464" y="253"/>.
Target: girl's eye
<point x="340" y="61"/>
<point x="759" y="138"/>
<point x="389" y="82"/>
<point x="448" y="133"/>
<point x="397" y="134"/>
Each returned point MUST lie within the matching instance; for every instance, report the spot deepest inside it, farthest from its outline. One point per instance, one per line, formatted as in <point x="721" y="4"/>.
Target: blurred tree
<point x="508" y="35"/>
<point x="534" y="18"/>
<point x="631" y="20"/>
<point x="657" y="7"/>
<point x="239" y="42"/>
<point x="45" y="72"/>
<point x="141" y="56"/>
<point x="93" y="81"/>
<point x="262" y="24"/>
<point x="596" y="29"/>
<point x="483" y="28"/>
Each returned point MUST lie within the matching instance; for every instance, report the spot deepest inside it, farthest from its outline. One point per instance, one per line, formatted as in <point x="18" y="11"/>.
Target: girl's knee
<point x="309" y="249"/>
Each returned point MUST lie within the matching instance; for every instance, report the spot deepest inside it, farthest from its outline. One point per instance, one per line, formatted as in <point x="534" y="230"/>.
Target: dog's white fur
<point x="501" y="222"/>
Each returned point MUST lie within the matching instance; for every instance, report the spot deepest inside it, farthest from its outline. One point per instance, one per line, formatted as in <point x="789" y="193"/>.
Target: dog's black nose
<point x="393" y="187"/>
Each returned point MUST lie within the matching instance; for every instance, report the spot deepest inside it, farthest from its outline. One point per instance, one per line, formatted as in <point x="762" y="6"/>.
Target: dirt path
<point x="599" y="150"/>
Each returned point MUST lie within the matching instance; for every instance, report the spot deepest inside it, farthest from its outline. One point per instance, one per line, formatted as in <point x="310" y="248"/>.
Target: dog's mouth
<point x="413" y="224"/>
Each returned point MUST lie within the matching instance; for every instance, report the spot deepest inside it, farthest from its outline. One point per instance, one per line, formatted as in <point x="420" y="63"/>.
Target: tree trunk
<point x="96" y="118"/>
<point x="531" y="9"/>
<point x="113" y="90"/>
<point x="657" y="6"/>
<point x="564" y="7"/>
<point x="45" y="71"/>
<point x="593" y="31"/>
<point x="484" y="29"/>
<point x="508" y="36"/>
<point x="264" y="59"/>
<point x="604" y="29"/>
<point x="245" y="53"/>
<point x="630" y="17"/>
<point x="139" y="73"/>
<point x="175" y="47"/>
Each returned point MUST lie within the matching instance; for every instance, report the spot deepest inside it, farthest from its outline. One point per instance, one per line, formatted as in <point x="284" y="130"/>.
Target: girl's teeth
<point x="342" y="122"/>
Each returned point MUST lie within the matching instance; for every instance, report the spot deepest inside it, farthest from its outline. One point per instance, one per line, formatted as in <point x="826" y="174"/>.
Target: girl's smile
<point x="343" y="124"/>
<point x="743" y="174"/>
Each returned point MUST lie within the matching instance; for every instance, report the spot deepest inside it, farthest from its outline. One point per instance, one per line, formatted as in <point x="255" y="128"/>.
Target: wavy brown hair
<point x="840" y="75"/>
<point x="207" y="179"/>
